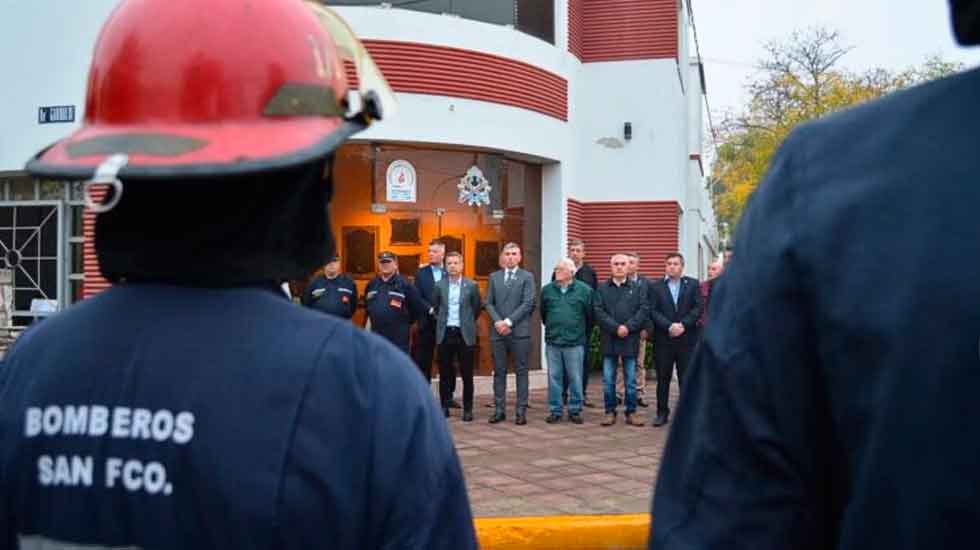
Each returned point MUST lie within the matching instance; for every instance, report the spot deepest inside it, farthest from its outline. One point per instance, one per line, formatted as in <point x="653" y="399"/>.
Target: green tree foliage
<point x="800" y="79"/>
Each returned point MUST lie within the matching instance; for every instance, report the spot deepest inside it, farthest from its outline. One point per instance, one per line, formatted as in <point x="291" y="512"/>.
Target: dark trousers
<point x="454" y="348"/>
<point x="668" y="353"/>
<point x="502" y="348"/>
<point x="585" y="368"/>
<point x="425" y="346"/>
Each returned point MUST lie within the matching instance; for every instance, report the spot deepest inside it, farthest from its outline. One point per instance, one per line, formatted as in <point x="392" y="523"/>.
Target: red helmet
<point x="213" y="87"/>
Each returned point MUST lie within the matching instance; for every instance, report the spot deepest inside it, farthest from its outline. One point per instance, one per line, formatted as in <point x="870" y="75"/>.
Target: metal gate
<point x="31" y="245"/>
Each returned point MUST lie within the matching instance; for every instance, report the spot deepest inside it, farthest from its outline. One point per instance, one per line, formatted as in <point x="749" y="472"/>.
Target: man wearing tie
<point x="676" y="310"/>
<point x="510" y="302"/>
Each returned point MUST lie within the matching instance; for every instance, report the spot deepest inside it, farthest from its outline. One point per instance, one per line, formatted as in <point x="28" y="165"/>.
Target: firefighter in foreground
<point x="828" y="407"/>
<point x="192" y="405"/>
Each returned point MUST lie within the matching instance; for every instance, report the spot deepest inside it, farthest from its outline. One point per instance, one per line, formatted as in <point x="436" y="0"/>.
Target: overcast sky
<point x="889" y="33"/>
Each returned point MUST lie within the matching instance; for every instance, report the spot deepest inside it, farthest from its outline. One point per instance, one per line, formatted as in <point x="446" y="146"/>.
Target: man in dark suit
<point x="510" y="302"/>
<point x="426" y="279"/>
<point x="827" y="407"/>
<point x="457" y="307"/>
<point x="646" y="286"/>
<point x="675" y="313"/>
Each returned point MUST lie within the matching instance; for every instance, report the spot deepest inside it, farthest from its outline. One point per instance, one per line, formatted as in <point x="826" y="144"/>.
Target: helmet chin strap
<point x="105" y="174"/>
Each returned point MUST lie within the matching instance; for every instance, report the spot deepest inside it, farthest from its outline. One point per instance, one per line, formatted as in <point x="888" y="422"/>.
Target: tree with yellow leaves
<point x="800" y="79"/>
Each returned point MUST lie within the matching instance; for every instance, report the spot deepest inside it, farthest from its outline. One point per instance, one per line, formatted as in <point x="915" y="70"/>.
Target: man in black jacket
<point x="826" y="408"/>
<point x="621" y="311"/>
<point x="675" y="313"/>
<point x="332" y="292"/>
<point x="392" y="303"/>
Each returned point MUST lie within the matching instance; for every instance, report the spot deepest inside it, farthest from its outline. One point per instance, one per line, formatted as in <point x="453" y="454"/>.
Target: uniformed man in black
<point x="332" y="292"/>
<point x="832" y="401"/>
<point x="392" y="302"/>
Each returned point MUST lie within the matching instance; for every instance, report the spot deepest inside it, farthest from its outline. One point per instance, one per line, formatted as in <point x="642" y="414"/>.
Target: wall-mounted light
<point x="628" y="131"/>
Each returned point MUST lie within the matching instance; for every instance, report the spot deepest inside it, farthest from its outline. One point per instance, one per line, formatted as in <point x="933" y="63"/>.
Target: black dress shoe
<point x="660" y="420"/>
<point x="453" y="404"/>
<point x="498" y="417"/>
<point x="520" y="420"/>
<point x="576" y="418"/>
<point x="467" y="416"/>
<point x="640" y="401"/>
<point x="553" y="419"/>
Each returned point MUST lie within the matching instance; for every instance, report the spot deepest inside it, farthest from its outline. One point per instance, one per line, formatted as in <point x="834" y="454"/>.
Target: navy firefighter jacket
<point x="392" y="306"/>
<point x="156" y="416"/>
<point x="833" y="402"/>
<point x="337" y="296"/>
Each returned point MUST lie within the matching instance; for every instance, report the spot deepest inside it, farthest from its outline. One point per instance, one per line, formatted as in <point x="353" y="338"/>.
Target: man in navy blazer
<point x="675" y="311"/>
<point x="831" y="404"/>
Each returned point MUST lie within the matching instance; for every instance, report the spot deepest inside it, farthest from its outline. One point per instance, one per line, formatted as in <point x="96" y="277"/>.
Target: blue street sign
<point x="55" y="114"/>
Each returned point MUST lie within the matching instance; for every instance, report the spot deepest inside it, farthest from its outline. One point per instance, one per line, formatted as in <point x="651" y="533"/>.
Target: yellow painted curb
<point x="619" y="532"/>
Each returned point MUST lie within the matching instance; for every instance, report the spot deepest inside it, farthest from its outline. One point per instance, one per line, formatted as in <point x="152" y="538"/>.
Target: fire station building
<point x="535" y="121"/>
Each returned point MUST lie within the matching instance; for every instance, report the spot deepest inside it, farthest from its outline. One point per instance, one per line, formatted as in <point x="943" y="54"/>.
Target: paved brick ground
<point x="545" y="469"/>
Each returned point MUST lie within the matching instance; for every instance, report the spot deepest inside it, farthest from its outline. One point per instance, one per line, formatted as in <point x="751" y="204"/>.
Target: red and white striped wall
<point x="622" y="30"/>
<point x="94" y="282"/>
<point x="648" y="228"/>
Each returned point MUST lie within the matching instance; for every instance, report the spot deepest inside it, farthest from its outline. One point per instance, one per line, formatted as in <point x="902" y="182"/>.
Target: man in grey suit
<point x="456" y="301"/>
<point x="510" y="302"/>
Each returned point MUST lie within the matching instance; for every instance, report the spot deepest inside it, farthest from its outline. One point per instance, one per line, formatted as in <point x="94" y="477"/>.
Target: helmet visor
<point x="376" y="99"/>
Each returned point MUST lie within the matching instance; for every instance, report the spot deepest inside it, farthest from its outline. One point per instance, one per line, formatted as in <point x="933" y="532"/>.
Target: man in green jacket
<point x="566" y="304"/>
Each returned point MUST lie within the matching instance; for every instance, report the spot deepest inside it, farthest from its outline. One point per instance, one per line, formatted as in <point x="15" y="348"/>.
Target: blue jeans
<point x="609" y="364"/>
<point x="564" y="363"/>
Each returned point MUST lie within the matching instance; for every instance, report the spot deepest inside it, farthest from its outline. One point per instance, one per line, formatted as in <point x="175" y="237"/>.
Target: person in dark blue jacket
<point x="833" y="400"/>
<point x="393" y="303"/>
<point x="332" y="292"/>
<point x="426" y="279"/>
<point x="192" y="405"/>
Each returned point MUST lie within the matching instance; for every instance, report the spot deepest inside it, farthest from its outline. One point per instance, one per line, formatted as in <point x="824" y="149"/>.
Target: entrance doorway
<point x="365" y="220"/>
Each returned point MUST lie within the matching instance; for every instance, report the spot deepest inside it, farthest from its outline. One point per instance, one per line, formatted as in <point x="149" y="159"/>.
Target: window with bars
<point x="41" y="245"/>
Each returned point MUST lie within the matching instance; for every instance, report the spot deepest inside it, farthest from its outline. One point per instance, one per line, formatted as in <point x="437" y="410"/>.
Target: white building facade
<point x="583" y="115"/>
